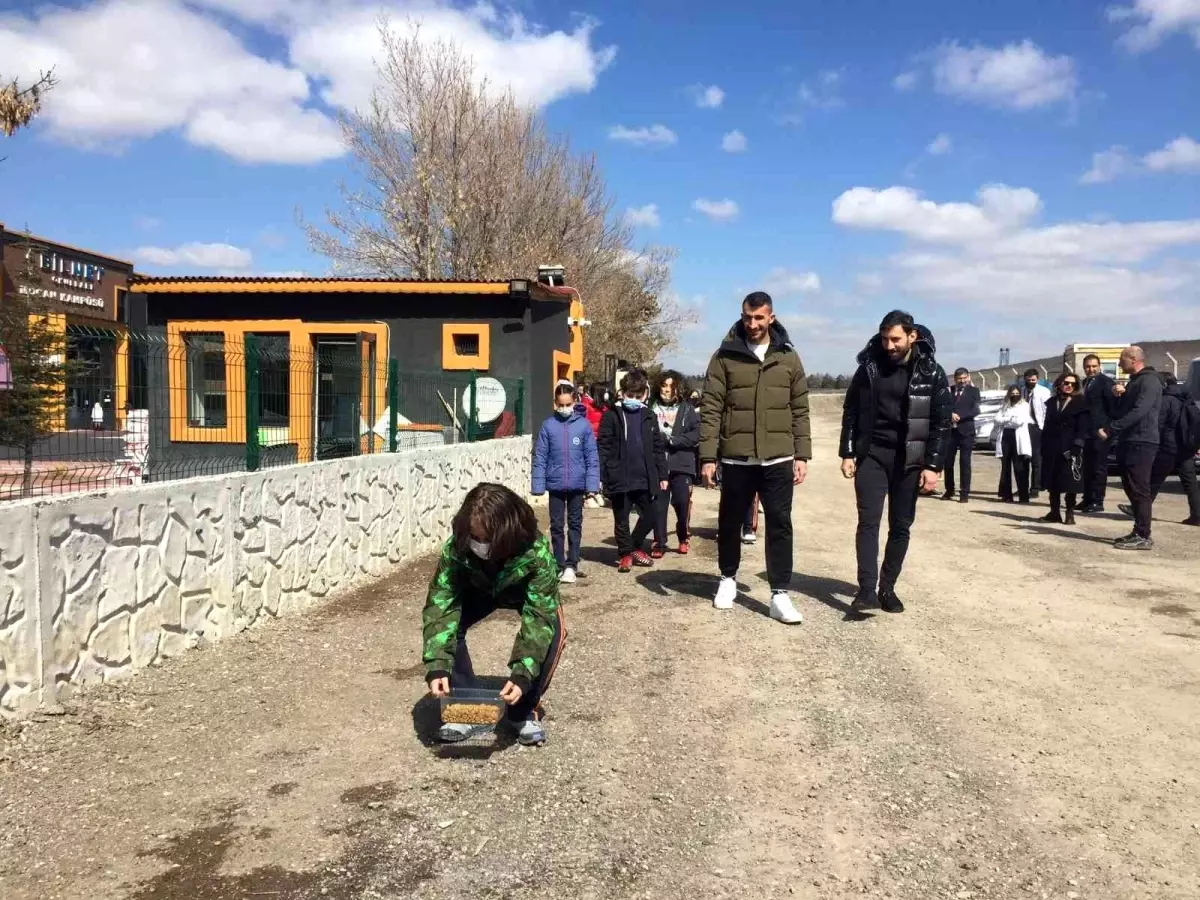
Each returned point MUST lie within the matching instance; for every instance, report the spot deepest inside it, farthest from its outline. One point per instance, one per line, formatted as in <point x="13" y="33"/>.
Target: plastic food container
<point x="472" y="706"/>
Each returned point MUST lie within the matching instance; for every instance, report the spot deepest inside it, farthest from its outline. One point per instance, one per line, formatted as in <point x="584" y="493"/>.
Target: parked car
<point x="989" y="404"/>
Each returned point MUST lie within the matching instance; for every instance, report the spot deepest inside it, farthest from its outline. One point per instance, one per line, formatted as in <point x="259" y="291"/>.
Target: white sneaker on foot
<point x="726" y="594"/>
<point x="782" y="609"/>
<point x="749" y="537"/>
<point x="567" y="576"/>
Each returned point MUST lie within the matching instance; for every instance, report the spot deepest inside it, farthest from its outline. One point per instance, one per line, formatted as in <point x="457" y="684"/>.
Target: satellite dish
<point x="490" y="399"/>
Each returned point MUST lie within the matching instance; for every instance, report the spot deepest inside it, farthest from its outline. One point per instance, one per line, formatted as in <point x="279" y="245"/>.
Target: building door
<point x="336" y="397"/>
<point x="92" y="360"/>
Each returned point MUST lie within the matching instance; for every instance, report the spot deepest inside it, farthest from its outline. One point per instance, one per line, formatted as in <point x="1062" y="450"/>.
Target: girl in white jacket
<point x="1014" y="446"/>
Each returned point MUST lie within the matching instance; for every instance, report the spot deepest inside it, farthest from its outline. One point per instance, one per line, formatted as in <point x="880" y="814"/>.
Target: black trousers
<point x="623" y="506"/>
<point x="1056" y="502"/>
<point x="883" y="476"/>
<point x="1035" y="468"/>
<point x="475" y="609"/>
<point x="1011" y="464"/>
<point x="1165" y="466"/>
<point x="678" y="496"/>
<point x="1137" y="469"/>
<point x="566" y="508"/>
<point x="774" y="486"/>
<point x="962" y="446"/>
<point x="1095" y="471"/>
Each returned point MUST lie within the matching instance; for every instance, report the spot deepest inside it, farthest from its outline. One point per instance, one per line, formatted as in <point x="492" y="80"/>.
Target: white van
<point x="989" y="404"/>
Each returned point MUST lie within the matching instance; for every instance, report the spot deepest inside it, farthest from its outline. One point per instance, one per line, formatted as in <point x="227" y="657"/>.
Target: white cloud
<point x="906" y="81"/>
<point x="216" y="91"/>
<point x="1016" y="76"/>
<point x="783" y="282"/>
<point x="940" y="145"/>
<point x="643" y="216"/>
<point x="869" y="282"/>
<point x="643" y="136"/>
<point x="717" y="210"/>
<point x="196" y="255"/>
<point x="1107" y="165"/>
<point x="1156" y="20"/>
<point x="710" y="97"/>
<point x="286" y="273"/>
<point x="904" y="210"/>
<point x="734" y="142"/>
<point x="1180" y="155"/>
<point x="146" y="223"/>
<point x="823" y="92"/>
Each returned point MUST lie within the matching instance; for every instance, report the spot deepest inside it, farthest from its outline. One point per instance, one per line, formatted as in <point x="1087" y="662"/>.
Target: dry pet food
<point x="471" y="713"/>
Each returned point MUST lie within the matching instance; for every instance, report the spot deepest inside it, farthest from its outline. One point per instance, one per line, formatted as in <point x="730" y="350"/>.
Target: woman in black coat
<point x="1068" y="427"/>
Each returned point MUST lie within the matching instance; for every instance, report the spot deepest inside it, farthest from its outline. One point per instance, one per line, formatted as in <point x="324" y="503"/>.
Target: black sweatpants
<point x="477" y="608"/>
<point x="678" y="496"/>
<point x="883" y="476"/>
<point x="774" y="486"/>
<point x="1012" y="464"/>
<point x="623" y="506"/>
<point x="962" y="446"/>
<point x="1165" y="466"/>
<point x="1035" y="466"/>
<point x="1095" y="471"/>
<point x="1137" y="468"/>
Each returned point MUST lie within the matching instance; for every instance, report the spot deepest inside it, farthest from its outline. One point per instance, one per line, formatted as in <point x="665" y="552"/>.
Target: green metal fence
<point x="155" y="406"/>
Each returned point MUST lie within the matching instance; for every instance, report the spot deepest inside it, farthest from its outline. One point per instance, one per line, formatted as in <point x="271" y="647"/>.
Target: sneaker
<point x="567" y="576"/>
<point x="685" y="547"/>
<point x="864" y="601"/>
<point x="531" y="733"/>
<point x="749" y="537"/>
<point x="889" y="602"/>
<point x="783" y="610"/>
<point x="1125" y="509"/>
<point x="453" y="732"/>
<point x="626" y="564"/>
<point x="1133" y="542"/>
<point x="726" y="593"/>
<point x="641" y="559"/>
<point x="657" y="551"/>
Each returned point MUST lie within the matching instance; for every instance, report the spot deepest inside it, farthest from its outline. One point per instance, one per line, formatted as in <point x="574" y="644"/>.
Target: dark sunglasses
<point x="1071" y="384"/>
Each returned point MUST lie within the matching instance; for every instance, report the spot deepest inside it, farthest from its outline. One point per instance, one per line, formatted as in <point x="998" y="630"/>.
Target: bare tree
<point x="18" y="105"/>
<point x="459" y="180"/>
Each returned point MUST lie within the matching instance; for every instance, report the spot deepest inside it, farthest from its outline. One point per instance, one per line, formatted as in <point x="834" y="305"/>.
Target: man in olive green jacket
<point x="754" y="421"/>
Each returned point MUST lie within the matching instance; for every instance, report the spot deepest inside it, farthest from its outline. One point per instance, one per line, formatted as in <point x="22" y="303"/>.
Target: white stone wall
<point x="96" y="586"/>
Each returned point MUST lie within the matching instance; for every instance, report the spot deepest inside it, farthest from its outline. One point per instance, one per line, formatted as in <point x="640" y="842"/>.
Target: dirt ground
<point x="1030" y="727"/>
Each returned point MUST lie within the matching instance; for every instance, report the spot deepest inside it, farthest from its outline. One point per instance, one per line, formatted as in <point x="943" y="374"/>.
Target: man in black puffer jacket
<point x="895" y="429"/>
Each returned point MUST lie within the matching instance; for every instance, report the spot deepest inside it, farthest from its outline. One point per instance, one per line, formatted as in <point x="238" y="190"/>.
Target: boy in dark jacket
<point x="633" y="467"/>
<point x="566" y="463"/>
<point x="680" y="425"/>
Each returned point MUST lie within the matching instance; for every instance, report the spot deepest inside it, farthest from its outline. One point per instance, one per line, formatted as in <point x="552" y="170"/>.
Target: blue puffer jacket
<point x="565" y="456"/>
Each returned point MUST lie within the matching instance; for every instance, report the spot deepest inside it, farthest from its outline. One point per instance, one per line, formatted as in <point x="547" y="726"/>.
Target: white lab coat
<point x="1038" y="399"/>
<point x="1016" y="417"/>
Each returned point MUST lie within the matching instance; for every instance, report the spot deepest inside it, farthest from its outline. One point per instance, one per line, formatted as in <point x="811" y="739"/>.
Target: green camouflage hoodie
<point x="534" y="575"/>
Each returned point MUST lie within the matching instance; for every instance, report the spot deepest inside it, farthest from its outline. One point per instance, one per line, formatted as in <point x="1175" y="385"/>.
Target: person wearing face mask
<point x="495" y="558"/>
<point x="1014" y="446"/>
<point x="567" y="465"/>
<point x="680" y="425"/>
<point x="633" y="468"/>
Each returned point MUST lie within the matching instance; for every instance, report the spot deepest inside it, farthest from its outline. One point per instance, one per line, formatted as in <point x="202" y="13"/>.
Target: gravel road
<point x="1029" y="728"/>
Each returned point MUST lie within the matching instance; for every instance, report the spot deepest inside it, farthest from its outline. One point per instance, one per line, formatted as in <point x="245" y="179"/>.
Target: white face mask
<point x="482" y="549"/>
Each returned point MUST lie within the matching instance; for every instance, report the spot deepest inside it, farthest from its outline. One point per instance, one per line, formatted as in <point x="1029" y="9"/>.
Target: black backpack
<point x="1189" y="428"/>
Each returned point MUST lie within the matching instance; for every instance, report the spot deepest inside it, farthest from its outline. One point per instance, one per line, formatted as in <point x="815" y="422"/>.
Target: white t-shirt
<point x="760" y="350"/>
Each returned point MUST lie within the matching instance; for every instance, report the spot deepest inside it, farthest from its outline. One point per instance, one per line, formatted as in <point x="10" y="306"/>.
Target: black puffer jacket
<point x="929" y="406"/>
<point x="1175" y="397"/>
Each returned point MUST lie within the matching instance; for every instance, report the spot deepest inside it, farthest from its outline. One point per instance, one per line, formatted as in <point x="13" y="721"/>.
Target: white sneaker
<point x="782" y="609"/>
<point x="749" y="537"/>
<point x="726" y="594"/>
<point x="567" y="576"/>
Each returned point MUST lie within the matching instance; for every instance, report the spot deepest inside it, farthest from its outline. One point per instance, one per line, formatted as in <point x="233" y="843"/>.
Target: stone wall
<point x="96" y="586"/>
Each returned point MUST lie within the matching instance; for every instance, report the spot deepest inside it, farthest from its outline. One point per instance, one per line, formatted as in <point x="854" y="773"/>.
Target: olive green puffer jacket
<point x="753" y="410"/>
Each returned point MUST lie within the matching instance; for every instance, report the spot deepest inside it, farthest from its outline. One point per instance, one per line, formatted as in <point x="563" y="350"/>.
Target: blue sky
<point x="1019" y="174"/>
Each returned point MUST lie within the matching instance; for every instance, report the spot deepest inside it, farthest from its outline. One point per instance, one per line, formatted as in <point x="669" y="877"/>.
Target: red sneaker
<point x="685" y="547"/>
<point x="626" y="564"/>
<point x="641" y="559"/>
<point x="657" y="552"/>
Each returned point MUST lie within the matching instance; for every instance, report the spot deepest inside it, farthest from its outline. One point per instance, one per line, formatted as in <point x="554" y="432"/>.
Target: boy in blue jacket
<point x="566" y="463"/>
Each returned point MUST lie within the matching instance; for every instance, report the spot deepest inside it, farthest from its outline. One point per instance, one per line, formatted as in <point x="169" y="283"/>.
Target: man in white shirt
<point x="1037" y="395"/>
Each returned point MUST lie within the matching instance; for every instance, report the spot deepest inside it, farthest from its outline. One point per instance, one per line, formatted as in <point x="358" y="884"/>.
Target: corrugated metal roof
<point x="292" y="279"/>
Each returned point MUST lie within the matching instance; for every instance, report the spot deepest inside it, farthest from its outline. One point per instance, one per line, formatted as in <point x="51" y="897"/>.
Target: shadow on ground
<point x="427" y="719"/>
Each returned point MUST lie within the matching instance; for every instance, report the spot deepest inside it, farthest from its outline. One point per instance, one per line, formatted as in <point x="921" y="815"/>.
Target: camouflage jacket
<point x="527" y="582"/>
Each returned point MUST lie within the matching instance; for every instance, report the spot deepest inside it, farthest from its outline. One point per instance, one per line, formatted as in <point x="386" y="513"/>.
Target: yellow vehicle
<point x="1075" y="354"/>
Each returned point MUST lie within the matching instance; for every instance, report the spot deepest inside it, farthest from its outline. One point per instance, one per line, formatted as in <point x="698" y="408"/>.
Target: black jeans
<point x="774" y="485"/>
<point x="1012" y="464"/>
<point x="678" y="496"/>
<point x="566" y="508"/>
<point x="1056" y="502"/>
<point x="882" y="476"/>
<point x="623" y="506"/>
<point x="961" y="445"/>
<point x="1165" y="466"/>
<point x="1095" y="471"/>
<point x="1035" y="466"/>
<point x="475" y="609"/>
<point x="1137" y="469"/>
